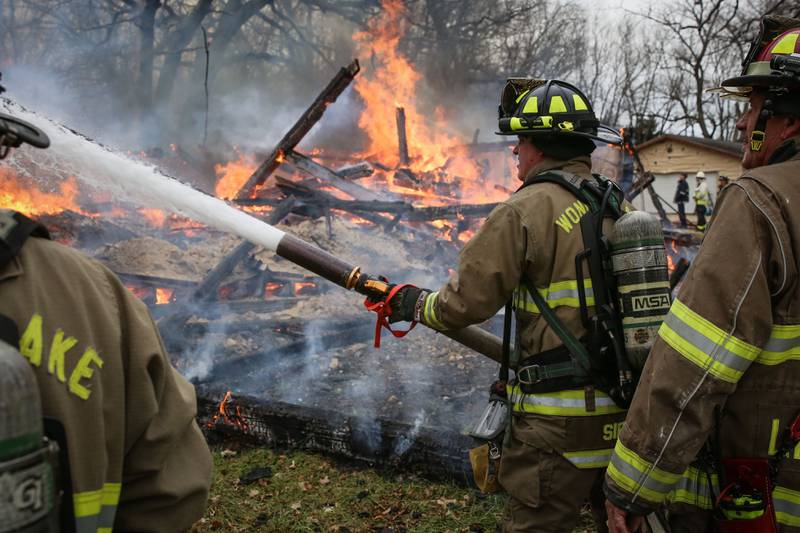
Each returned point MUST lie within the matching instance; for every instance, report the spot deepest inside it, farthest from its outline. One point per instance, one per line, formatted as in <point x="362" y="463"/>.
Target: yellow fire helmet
<point x="550" y="107"/>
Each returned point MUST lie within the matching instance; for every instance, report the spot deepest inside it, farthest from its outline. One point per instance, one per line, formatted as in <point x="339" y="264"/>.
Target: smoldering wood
<point x="382" y="442"/>
<point x="307" y="120"/>
<point x="357" y="171"/>
<point x="207" y="289"/>
<point x="402" y="138"/>
<point x="329" y="177"/>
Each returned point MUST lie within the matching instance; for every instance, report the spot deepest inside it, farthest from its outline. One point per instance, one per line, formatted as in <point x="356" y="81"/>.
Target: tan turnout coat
<point x="535" y="233"/>
<point x="138" y="460"/>
<point x="730" y="342"/>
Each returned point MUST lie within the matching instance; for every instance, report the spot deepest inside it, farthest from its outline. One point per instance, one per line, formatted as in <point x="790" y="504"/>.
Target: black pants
<point x="682" y="214"/>
<point x="701" y="217"/>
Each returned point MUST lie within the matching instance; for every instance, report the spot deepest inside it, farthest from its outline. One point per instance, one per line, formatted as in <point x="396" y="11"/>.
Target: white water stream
<point x="137" y="182"/>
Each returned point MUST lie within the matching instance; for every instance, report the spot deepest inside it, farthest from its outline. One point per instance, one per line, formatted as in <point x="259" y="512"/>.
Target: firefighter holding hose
<point x="713" y="429"/>
<point x="133" y="457"/>
<point x="562" y="426"/>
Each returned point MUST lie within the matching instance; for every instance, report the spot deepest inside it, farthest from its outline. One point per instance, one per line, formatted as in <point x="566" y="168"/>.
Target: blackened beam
<point x="330" y="177"/>
<point x="408" y="211"/>
<point x="653" y="196"/>
<point x="207" y="290"/>
<point x="402" y="138"/>
<point x="640" y="185"/>
<point x="303" y="125"/>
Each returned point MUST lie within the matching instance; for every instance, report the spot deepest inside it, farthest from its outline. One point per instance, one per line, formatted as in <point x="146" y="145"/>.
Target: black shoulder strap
<point x="591" y="191"/>
<point x="15" y="228"/>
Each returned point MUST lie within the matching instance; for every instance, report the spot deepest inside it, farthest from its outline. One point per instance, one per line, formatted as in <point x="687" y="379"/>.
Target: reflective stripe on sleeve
<point x="560" y="293"/>
<point x="783" y="345"/>
<point x="589" y="458"/>
<point x="561" y="403"/>
<point x="787" y="506"/>
<point x="693" y="489"/>
<point x="639" y="477"/>
<point x="429" y="312"/>
<point x="706" y="345"/>
<point x="95" y="510"/>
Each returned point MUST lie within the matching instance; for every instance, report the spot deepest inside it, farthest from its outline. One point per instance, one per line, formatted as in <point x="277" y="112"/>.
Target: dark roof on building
<point x="730" y="148"/>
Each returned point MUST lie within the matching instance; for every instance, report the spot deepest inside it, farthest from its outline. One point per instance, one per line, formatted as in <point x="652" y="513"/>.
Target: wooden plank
<point x="300" y="128"/>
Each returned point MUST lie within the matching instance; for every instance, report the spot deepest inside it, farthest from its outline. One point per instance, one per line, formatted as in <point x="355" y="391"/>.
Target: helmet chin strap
<point x="757" y="136"/>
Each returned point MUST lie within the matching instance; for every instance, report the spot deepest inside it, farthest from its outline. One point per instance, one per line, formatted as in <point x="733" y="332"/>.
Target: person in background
<point x="681" y="197"/>
<point x="702" y="199"/>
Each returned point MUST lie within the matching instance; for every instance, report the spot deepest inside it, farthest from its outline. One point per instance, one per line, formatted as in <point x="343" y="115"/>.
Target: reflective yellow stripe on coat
<point x="95" y="510"/>
<point x="560" y="293"/>
<point x="640" y="477"/>
<point x="561" y="403"/>
<point x="429" y="316"/>
<point x="704" y="344"/>
<point x="589" y="458"/>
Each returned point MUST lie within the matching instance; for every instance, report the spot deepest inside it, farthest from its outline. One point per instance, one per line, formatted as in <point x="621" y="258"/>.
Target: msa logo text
<point x="647" y="302"/>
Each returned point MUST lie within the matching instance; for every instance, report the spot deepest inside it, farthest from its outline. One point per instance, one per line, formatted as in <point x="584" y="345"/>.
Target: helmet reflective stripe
<point x="521" y="96"/>
<point x="516" y="124"/>
<point x="580" y="105"/>
<point x="786" y="45"/>
<point x="557" y="105"/>
<point x="531" y="105"/>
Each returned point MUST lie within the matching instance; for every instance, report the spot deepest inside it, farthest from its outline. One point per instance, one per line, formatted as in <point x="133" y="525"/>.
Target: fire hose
<point x="351" y="277"/>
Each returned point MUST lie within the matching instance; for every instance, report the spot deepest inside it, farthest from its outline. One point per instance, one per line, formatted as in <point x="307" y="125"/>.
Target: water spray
<point x="101" y="168"/>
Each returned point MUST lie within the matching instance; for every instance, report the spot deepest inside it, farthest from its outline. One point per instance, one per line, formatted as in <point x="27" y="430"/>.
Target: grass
<point x="305" y="492"/>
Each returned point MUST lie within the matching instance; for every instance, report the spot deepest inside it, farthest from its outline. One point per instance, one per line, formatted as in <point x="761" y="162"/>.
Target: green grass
<point x="308" y="492"/>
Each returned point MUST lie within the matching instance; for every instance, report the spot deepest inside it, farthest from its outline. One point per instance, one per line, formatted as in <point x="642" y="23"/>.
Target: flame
<point x="164" y="296"/>
<point x="142" y="293"/>
<point x="304" y="287"/>
<point x="227" y="415"/>
<point x="393" y="83"/>
<point x="232" y="175"/>
<point x="272" y="288"/>
<point x="29" y="200"/>
<point x="154" y="217"/>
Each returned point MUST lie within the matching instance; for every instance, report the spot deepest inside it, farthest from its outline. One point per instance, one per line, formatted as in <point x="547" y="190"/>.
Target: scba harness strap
<point x="15" y="229"/>
<point x="579" y="362"/>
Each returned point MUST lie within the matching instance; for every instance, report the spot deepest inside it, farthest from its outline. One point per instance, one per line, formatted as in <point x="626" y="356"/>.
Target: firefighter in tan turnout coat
<point x="560" y="441"/>
<point x="137" y="459"/>
<point x="722" y="383"/>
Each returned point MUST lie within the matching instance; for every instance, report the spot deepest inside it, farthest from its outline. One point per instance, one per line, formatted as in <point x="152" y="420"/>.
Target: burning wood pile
<point x="298" y="356"/>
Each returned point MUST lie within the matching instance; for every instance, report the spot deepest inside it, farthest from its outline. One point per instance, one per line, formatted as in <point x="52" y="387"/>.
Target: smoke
<point x="404" y="442"/>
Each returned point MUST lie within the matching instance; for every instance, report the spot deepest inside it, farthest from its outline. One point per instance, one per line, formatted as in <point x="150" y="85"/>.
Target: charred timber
<point x="303" y="125"/>
<point x="402" y="138"/>
<point x="645" y="181"/>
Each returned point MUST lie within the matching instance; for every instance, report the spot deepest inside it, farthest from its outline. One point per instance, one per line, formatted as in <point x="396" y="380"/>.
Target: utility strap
<point x="573" y="345"/>
<point x="536" y="373"/>
<point x="384" y="311"/>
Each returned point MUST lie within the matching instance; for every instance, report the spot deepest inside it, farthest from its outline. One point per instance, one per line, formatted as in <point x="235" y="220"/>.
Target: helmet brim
<point x="757" y="80"/>
<point x="605" y="134"/>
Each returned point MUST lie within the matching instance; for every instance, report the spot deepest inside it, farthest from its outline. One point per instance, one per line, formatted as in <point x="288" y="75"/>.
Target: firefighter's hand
<point x="404" y="304"/>
<point x="620" y="521"/>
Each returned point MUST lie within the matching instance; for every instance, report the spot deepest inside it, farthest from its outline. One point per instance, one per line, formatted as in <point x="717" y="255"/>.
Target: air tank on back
<point x="639" y="261"/>
<point x="27" y="489"/>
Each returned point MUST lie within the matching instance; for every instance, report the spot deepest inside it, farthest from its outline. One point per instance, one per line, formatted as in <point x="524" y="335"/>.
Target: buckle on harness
<point x="528" y="371"/>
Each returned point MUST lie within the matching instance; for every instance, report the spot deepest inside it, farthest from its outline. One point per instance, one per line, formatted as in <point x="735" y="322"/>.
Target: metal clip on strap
<point x="533" y="374"/>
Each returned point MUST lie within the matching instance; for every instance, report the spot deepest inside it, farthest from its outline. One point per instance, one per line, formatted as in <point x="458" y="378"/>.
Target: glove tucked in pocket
<point x="485" y="461"/>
